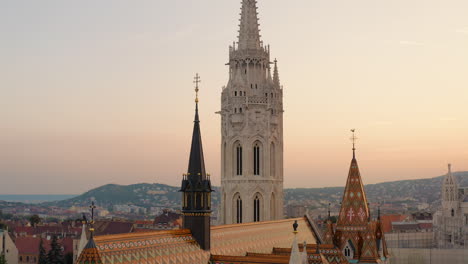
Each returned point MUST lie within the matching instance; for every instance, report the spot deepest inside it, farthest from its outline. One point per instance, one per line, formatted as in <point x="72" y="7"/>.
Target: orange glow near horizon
<point x="98" y="93"/>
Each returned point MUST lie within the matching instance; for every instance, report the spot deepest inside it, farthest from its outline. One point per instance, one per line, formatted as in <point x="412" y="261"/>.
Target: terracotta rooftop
<point x="178" y="246"/>
<point x="387" y="221"/>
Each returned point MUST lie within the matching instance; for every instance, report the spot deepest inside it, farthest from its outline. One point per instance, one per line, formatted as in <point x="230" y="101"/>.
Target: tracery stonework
<point x="251" y="129"/>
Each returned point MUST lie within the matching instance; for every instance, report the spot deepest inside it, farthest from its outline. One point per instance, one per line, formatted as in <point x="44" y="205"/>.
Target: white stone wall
<point x="428" y="256"/>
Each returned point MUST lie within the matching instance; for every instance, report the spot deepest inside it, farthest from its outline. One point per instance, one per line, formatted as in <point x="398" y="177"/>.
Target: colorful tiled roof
<point x="179" y="246"/>
<point x="258" y="237"/>
<point x="354" y="211"/>
<point x="90" y="254"/>
<point x="327" y="253"/>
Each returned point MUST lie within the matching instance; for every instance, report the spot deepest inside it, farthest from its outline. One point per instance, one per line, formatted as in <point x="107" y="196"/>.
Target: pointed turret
<point x="329" y="232"/>
<point x="249" y="32"/>
<point x="196" y="187"/>
<point x="354" y="213"/>
<point x="90" y="254"/>
<point x="276" y="80"/>
<point x="450" y="193"/>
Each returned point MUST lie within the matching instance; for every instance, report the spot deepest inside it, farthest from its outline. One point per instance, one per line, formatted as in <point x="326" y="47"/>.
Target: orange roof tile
<point x="180" y="247"/>
<point x="388" y="219"/>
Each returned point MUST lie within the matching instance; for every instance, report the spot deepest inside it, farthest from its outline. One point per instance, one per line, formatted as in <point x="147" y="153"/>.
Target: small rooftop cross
<point x="196" y="82"/>
<point x="92" y="207"/>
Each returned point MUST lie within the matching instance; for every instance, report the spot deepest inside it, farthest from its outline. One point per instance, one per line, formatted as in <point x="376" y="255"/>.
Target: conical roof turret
<point x="354" y="213"/>
<point x="249" y="32"/>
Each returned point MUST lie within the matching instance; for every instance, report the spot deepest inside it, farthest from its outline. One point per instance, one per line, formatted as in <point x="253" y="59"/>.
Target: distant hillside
<point x="410" y="192"/>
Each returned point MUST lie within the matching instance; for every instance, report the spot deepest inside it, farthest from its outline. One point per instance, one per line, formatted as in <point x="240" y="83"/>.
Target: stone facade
<point x="252" y="129"/>
<point x="451" y="221"/>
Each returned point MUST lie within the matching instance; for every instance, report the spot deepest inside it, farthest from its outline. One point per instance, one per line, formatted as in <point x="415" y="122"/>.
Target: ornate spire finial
<point x="329" y="211"/>
<point x="295" y="225"/>
<point x="354" y="139"/>
<point x="196" y="82"/>
<point x="450" y="168"/>
<point x="249" y="32"/>
<point x="276" y="79"/>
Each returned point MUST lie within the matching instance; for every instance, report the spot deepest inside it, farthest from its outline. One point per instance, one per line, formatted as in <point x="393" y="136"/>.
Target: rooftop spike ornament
<point x="196" y="82"/>
<point x="90" y="253"/>
<point x="354" y="139"/>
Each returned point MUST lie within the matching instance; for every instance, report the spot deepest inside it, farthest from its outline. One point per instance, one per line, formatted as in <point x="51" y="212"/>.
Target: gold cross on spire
<point x="196" y="82"/>
<point x="92" y="207"/>
<point x="354" y="139"/>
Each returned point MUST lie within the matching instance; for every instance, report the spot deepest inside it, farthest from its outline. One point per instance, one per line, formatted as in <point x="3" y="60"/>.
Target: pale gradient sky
<point x="97" y="92"/>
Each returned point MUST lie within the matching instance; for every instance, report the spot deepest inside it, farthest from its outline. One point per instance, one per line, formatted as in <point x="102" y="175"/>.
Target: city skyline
<point x="101" y="93"/>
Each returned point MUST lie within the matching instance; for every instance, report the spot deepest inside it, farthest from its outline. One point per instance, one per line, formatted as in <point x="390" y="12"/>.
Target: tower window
<point x="238" y="210"/>
<point x="235" y="110"/>
<point x="239" y="160"/>
<point x="256" y="160"/>
<point x="251" y="86"/>
<point x="255" y="86"/>
<point x="272" y="159"/>
<point x="266" y="95"/>
<point x="235" y="93"/>
<point x="257" y="209"/>
<point x="453" y="212"/>
<point x="240" y="110"/>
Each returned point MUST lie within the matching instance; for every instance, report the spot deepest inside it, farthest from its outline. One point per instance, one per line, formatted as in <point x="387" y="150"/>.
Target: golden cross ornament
<point x="196" y="82"/>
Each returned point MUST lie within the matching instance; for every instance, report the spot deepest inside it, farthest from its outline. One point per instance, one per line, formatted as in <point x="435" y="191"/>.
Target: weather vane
<point x="196" y="82"/>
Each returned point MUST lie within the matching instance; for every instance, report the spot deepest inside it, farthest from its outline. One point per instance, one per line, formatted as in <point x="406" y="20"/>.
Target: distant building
<point x="8" y="247"/>
<point x="28" y="248"/>
<point x="451" y="220"/>
<point x="167" y="220"/>
<point x="294" y="210"/>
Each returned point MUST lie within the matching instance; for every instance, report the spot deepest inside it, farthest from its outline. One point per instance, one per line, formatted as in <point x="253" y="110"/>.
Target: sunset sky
<point x="97" y="92"/>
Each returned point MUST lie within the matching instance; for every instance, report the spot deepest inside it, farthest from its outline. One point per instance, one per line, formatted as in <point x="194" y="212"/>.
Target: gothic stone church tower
<point x="252" y="129"/>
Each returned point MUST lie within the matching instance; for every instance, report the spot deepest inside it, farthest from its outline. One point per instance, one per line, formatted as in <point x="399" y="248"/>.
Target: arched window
<point x="272" y="159"/>
<point x="348" y="250"/>
<point x="238" y="159"/>
<point x="199" y="201"/>
<point x="235" y="93"/>
<point x="189" y="200"/>
<point x="238" y="209"/>
<point x="224" y="160"/>
<point x="257" y="156"/>
<point x="256" y="209"/>
<point x="272" y="207"/>
<point x="240" y="110"/>
<point x="453" y="212"/>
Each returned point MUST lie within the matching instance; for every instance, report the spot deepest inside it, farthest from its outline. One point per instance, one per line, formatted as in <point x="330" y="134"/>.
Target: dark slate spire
<point x="196" y="168"/>
<point x="196" y="187"/>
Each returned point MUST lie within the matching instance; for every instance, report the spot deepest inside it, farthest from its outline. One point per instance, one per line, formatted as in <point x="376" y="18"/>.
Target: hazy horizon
<point x="95" y="92"/>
